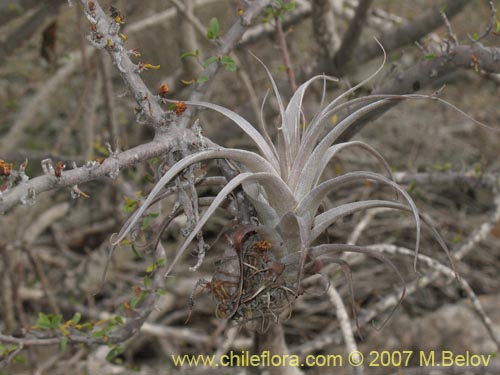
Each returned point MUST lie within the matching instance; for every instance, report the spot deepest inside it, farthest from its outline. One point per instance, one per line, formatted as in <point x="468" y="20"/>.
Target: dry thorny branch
<point x="277" y="206"/>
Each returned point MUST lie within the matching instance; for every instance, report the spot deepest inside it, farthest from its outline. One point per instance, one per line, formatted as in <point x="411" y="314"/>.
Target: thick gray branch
<point x="86" y="173"/>
<point x="352" y="35"/>
<point x="411" y="31"/>
<point x="426" y="72"/>
<point x="226" y="44"/>
<point x="325" y="34"/>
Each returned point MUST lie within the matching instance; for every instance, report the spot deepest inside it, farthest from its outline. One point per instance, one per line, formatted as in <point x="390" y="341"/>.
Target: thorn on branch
<point x="47" y="167"/>
<point x="77" y="193"/>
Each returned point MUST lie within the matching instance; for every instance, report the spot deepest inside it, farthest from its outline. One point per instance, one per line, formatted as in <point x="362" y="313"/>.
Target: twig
<point x="345" y="326"/>
<point x="89" y="172"/>
<point x="90" y="118"/>
<point x="186" y="10"/>
<point x="426" y="72"/>
<point x="325" y="33"/>
<point x="405" y="34"/>
<point x="363" y="224"/>
<point x="28" y="28"/>
<point x="352" y="35"/>
<point x="6" y="361"/>
<point x="471" y="178"/>
<point x="448" y="272"/>
<point x="187" y="25"/>
<point x="44" y="221"/>
<point x="109" y="101"/>
<point x="489" y="28"/>
<point x="226" y="44"/>
<point x="452" y="40"/>
<point x="107" y="36"/>
<point x="285" y="55"/>
<point x="9" y="291"/>
<point x="392" y="299"/>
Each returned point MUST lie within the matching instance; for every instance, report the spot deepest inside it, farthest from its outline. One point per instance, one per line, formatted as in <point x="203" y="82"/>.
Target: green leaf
<point x="56" y="321"/>
<point x="76" y="318"/>
<point x="228" y="63"/>
<point x="498" y="26"/>
<point x="134" y="302"/>
<point x="475" y="36"/>
<point x="64" y="343"/>
<point x="19" y="359"/>
<point x="194" y="54"/>
<point x="137" y="254"/>
<point x="290" y="6"/>
<point x="202" y="79"/>
<point x="99" y="334"/>
<point x="150" y="268"/>
<point x="161" y="261"/>
<point x="43" y="321"/>
<point x="115" y="352"/>
<point x="147" y="281"/>
<point x="282" y="68"/>
<point x="213" y="31"/>
<point x="209" y="61"/>
<point x="146" y="223"/>
<point x="119" y="320"/>
<point x="430" y="56"/>
<point x="130" y="205"/>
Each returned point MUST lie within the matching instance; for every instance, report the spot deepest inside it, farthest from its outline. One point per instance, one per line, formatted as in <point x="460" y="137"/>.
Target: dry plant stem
<point x="352" y="35"/>
<point x="8" y="359"/>
<point x="90" y="119"/>
<point x="345" y="326"/>
<point x="448" y="272"/>
<point x="26" y="118"/>
<point x="91" y="172"/>
<point x="426" y="72"/>
<point x="109" y="101"/>
<point x="9" y="290"/>
<point x="363" y="224"/>
<point x="11" y="10"/>
<point x="409" y="32"/>
<point x="27" y="29"/>
<point x="130" y="72"/>
<point x="490" y="27"/>
<point x="32" y="232"/>
<point x="225" y="45"/>
<point x="392" y="299"/>
<point x="188" y="24"/>
<point x="471" y="178"/>
<point x="325" y="33"/>
<point x="273" y="340"/>
<point x="16" y="132"/>
<point x="40" y="272"/>
<point x="285" y="55"/>
<point x="81" y="39"/>
<point x="188" y="43"/>
<point x="186" y="9"/>
<point x="44" y="221"/>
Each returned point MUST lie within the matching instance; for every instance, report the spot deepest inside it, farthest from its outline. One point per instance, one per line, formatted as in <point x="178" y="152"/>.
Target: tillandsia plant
<point x="260" y="272"/>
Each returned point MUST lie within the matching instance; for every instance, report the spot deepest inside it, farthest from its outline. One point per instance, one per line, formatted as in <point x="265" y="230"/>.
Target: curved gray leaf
<point x="267" y="179"/>
<point x="253" y="161"/>
<point x="323" y="221"/>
